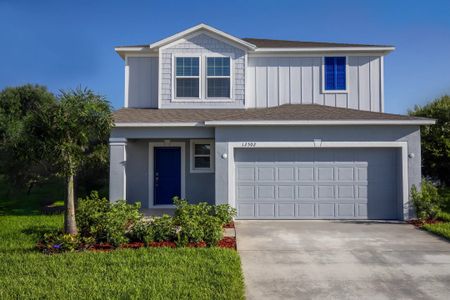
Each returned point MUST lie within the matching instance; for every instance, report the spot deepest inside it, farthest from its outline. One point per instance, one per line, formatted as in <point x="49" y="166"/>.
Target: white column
<point x="117" y="169"/>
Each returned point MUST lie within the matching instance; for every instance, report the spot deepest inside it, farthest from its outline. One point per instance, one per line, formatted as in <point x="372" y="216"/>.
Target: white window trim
<point x="151" y="164"/>
<point x="325" y="91"/>
<point x="175" y="77"/>
<point x="207" y="77"/>
<point x="403" y="146"/>
<point x="202" y="82"/>
<point x="211" y="156"/>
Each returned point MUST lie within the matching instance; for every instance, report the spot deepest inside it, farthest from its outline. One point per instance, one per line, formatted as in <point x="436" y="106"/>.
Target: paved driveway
<point x="342" y="260"/>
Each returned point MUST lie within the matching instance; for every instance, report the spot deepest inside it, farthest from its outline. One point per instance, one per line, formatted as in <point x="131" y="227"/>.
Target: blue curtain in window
<point x="335" y="77"/>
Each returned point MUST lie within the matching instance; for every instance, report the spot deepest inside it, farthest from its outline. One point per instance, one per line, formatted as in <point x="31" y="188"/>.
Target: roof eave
<point x="276" y="123"/>
<point x="319" y="122"/>
<point x="385" y="50"/>
<point x="124" y="51"/>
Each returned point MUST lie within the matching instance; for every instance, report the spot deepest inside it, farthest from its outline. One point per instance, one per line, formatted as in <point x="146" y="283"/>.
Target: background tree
<point x="75" y="129"/>
<point x="22" y="161"/>
<point x="436" y="139"/>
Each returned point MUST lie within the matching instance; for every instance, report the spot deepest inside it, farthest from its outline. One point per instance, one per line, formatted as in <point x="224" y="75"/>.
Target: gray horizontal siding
<point x="273" y="81"/>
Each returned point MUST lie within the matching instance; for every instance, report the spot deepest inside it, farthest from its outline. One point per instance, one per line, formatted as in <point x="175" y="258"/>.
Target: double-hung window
<point x="187" y="78"/>
<point x="202" y="154"/>
<point x="335" y="73"/>
<point x="218" y="81"/>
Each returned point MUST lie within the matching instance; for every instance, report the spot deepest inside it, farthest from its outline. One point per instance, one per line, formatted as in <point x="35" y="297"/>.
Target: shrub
<point x="56" y="242"/>
<point x="213" y="231"/>
<point x="142" y="231"/>
<point x="225" y="213"/>
<point x="163" y="228"/>
<point x="91" y="216"/>
<point x="188" y="219"/>
<point x="426" y="201"/>
<point x="105" y="221"/>
<point x="119" y="220"/>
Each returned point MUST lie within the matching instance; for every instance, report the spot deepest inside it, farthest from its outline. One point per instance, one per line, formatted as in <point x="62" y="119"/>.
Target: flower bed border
<point x="226" y="243"/>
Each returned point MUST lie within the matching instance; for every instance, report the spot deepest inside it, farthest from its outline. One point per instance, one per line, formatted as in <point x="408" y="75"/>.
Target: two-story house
<point x="278" y="129"/>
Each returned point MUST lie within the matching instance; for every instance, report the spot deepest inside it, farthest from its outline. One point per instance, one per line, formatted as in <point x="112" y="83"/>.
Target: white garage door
<point x="356" y="183"/>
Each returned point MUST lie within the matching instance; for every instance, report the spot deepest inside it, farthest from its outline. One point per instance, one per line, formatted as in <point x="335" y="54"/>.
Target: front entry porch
<point x="153" y="171"/>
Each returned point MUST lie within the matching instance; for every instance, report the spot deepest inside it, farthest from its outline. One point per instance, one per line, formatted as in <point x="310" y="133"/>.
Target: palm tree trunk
<point x="70" y="225"/>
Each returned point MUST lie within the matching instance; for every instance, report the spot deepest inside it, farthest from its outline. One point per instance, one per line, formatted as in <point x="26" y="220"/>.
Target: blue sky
<point x="64" y="44"/>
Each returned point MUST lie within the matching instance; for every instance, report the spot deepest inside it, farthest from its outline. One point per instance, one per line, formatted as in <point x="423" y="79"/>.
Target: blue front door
<point x="167" y="174"/>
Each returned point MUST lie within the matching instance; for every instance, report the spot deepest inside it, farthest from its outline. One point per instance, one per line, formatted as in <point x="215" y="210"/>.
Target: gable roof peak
<point x="201" y="26"/>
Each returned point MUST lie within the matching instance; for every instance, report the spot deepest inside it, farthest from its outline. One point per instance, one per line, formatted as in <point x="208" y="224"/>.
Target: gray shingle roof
<point x="268" y="43"/>
<point x="287" y="112"/>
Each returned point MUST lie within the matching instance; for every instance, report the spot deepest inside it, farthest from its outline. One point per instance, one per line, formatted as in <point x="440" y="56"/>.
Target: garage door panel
<point x="286" y="174"/>
<point x="266" y="210"/>
<point x="325" y="191"/>
<point x="246" y="210"/>
<point x="286" y="192"/>
<point x="306" y="210"/>
<point x="265" y="192"/>
<point x="306" y="192"/>
<point x="286" y="210"/>
<point x="325" y="174"/>
<point x="346" y="191"/>
<point x="346" y="210"/>
<point x="316" y="183"/>
<point x="246" y="173"/>
<point x="266" y="174"/>
<point x="345" y="173"/>
<point x="246" y="192"/>
<point x="306" y="173"/>
<point x="326" y="209"/>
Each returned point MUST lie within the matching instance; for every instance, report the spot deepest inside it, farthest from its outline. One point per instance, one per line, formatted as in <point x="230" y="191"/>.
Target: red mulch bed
<point x="227" y="242"/>
<point x="229" y="225"/>
<point x="419" y="223"/>
<point x="162" y="244"/>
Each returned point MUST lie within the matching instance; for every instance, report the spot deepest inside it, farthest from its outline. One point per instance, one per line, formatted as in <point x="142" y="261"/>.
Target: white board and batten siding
<point x="273" y="81"/>
<point x="141" y="86"/>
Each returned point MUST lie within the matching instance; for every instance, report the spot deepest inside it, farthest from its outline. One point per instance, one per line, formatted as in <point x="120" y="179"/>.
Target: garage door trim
<point x="319" y="144"/>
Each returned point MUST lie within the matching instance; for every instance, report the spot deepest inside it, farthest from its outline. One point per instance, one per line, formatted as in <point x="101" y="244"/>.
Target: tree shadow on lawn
<point x="37" y="231"/>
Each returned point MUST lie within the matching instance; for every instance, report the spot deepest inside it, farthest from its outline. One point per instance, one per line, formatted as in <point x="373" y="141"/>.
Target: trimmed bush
<point x="118" y="223"/>
<point x="426" y="201"/>
<point x="105" y="221"/>
<point x="213" y="231"/>
<point x="163" y="229"/>
<point x="142" y="231"/>
<point x="225" y="213"/>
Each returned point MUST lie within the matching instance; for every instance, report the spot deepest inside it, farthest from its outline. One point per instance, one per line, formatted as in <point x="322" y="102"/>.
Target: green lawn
<point x="442" y="229"/>
<point x="126" y="274"/>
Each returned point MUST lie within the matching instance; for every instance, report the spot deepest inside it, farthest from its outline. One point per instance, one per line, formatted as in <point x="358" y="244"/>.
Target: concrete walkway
<point x="342" y="260"/>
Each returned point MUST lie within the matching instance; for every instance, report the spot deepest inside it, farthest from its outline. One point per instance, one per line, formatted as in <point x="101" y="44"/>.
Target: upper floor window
<point x="187" y="78"/>
<point x="335" y="76"/>
<point x="218" y="79"/>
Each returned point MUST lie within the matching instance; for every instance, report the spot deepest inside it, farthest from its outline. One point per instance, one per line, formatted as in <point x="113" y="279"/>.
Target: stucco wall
<point x="224" y="135"/>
